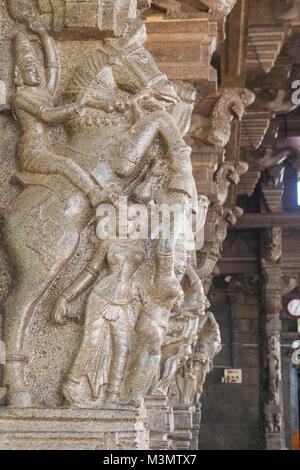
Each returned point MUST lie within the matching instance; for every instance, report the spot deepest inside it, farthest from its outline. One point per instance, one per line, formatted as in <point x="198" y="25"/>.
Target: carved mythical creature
<point x="227" y="174"/>
<point x="216" y="130"/>
<point x="228" y="217"/>
<point x="273" y="177"/>
<point x="171" y="7"/>
<point x="272" y="157"/>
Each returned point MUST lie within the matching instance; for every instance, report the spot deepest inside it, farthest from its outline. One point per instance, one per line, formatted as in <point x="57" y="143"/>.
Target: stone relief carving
<point x="273" y="416"/>
<point x="181" y="335"/>
<point x="274" y="369"/>
<point x="272" y="296"/>
<point x="119" y="140"/>
<point x="216" y="129"/>
<point x="228" y="173"/>
<point x="104" y="351"/>
<point x="289" y="283"/>
<point x="214" y="132"/>
<point x="245" y="283"/>
<point x="287" y="10"/>
<point x="272" y="240"/>
<point x="216" y="8"/>
<point x="274" y="176"/>
<point x="272" y="188"/>
<point x="229" y="217"/>
<point x="191" y="377"/>
<point x="158" y="300"/>
<point x="85" y="18"/>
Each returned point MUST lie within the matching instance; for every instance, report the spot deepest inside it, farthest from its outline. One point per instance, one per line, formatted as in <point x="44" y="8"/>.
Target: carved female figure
<point x="104" y="351"/>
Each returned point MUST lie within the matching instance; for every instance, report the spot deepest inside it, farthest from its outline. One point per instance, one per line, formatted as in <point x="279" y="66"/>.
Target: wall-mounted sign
<point x="232" y="376"/>
<point x="293" y="308"/>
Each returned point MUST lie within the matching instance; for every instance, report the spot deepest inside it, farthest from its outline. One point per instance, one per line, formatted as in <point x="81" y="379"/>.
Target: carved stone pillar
<point x="272" y="382"/>
<point x="161" y="422"/>
<point x="197" y="417"/>
<point x="101" y="123"/>
<point x="183" y="426"/>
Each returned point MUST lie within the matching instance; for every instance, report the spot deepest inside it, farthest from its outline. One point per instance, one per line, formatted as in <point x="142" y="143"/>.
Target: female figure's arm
<point x="83" y="282"/>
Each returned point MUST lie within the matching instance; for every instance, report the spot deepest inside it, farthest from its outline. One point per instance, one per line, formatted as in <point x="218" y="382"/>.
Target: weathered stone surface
<point x="89" y="118"/>
<point x="161" y="422"/>
<point x="70" y="429"/>
<point x="183" y="425"/>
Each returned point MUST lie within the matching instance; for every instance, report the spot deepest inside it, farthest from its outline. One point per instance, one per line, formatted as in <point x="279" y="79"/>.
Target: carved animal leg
<point x="32" y="281"/>
<point x="48" y="163"/>
<point x="132" y="146"/>
<point x="161" y="388"/>
<point x="32" y="278"/>
<point x="144" y="362"/>
<point x="147" y="365"/>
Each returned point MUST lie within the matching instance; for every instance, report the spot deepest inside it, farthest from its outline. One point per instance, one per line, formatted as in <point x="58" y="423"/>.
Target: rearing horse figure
<point x="121" y="105"/>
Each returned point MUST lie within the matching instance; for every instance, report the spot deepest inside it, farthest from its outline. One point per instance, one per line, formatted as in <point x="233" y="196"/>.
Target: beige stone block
<point x="63" y="429"/>
<point x="160" y="422"/>
<point x="183" y="47"/>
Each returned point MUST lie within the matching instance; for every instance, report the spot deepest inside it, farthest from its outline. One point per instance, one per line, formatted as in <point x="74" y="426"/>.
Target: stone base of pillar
<point x="196" y="429"/>
<point x="73" y="429"/>
<point x="161" y="422"/>
<point x="183" y="426"/>
<point x="274" y="432"/>
<point x="275" y="441"/>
